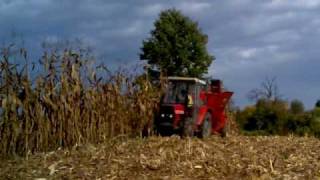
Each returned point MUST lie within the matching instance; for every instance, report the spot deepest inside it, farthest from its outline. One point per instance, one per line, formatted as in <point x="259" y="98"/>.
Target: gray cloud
<point x="251" y="39"/>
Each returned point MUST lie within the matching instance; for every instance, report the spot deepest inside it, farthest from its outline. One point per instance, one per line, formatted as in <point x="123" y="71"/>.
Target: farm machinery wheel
<point x="205" y="129"/>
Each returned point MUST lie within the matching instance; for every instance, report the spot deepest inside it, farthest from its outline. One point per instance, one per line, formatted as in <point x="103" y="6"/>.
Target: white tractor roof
<point x="187" y="79"/>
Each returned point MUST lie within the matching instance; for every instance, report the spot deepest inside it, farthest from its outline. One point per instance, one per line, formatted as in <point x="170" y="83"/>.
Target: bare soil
<point x="233" y="157"/>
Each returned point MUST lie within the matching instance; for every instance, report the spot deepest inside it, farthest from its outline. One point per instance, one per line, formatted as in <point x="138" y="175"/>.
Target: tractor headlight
<point x="162" y="115"/>
<point x="170" y="116"/>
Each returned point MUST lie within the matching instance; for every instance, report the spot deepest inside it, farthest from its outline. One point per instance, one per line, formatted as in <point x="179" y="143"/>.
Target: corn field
<point x="68" y="101"/>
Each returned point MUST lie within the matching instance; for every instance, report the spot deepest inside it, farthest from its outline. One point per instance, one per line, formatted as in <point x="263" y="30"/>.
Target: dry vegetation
<point x="70" y="101"/>
<point x="233" y="157"/>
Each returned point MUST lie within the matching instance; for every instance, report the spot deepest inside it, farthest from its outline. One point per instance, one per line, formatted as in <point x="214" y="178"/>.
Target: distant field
<point x="175" y="158"/>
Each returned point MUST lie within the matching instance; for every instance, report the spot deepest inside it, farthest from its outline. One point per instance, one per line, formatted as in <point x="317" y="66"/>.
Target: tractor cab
<point x="181" y="100"/>
<point x="182" y="90"/>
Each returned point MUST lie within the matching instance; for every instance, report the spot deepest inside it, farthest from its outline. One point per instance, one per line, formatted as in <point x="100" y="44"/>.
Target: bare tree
<point x="268" y="90"/>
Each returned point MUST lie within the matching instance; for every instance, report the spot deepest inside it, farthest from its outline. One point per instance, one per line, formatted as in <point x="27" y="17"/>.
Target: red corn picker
<point x="192" y="107"/>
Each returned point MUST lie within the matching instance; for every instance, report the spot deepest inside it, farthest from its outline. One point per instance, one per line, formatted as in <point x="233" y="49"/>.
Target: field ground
<point x="174" y="158"/>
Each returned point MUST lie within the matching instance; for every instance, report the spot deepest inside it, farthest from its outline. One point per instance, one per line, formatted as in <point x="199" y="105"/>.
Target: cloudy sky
<point x="251" y="39"/>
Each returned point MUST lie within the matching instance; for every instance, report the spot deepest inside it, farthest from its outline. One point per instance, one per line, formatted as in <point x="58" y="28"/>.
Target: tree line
<point x="271" y="114"/>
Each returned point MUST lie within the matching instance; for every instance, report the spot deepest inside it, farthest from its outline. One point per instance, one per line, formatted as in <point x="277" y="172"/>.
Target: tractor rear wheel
<point x="206" y="127"/>
<point x="188" y="128"/>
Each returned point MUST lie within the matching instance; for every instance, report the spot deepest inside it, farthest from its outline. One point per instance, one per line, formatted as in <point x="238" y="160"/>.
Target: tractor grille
<point x="166" y="116"/>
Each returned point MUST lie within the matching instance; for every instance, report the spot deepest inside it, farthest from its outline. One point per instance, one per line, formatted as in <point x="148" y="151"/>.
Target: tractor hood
<point x="174" y="109"/>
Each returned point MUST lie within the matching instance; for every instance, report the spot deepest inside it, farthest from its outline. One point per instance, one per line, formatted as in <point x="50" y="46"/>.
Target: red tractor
<point x="192" y="107"/>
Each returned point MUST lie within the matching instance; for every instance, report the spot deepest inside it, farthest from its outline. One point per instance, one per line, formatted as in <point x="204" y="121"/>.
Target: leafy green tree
<point x="318" y="104"/>
<point x="177" y="46"/>
<point x="296" y="107"/>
